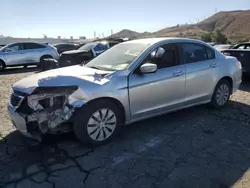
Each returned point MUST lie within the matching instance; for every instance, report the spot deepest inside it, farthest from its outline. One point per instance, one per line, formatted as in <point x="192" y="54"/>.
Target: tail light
<point x="239" y="64"/>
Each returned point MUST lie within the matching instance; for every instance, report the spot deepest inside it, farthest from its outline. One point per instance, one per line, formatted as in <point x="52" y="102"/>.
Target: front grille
<point x="15" y="100"/>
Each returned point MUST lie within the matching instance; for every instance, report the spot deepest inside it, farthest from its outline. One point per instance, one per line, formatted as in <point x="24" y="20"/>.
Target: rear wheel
<point x="97" y="123"/>
<point x="221" y="94"/>
<point x="2" y="65"/>
<point x="40" y="64"/>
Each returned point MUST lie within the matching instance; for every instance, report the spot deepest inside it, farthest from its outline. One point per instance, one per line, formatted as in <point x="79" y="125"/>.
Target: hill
<point x="234" y="24"/>
<point x="126" y="33"/>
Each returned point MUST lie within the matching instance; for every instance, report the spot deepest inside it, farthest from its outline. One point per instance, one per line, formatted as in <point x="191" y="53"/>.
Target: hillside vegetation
<point x="234" y="24"/>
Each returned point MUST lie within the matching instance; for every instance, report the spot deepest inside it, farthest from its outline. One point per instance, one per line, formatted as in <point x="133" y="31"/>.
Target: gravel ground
<point x="196" y="148"/>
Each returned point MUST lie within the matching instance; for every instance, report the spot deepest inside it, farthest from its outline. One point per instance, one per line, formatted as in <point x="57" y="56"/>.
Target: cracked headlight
<point x="50" y="97"/>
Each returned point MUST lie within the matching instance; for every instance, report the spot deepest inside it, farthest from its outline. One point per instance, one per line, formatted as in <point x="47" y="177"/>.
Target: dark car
<point x="242" y="53"/>
<point x="62" y="47"/>
<point x="86" y="52"/>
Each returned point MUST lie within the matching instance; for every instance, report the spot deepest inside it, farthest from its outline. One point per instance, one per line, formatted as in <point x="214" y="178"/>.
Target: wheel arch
<point x="229" y="79"/>
<point x="1" y="60"/>
<point x="113" y="100"/>
<point x="45" y="55"/>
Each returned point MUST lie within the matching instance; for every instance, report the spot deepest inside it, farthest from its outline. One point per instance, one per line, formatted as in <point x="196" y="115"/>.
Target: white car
<point x="25" y="53"/>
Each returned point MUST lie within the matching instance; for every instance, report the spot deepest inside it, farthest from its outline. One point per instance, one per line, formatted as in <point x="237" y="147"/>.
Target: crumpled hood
<point x="68" y="76"/>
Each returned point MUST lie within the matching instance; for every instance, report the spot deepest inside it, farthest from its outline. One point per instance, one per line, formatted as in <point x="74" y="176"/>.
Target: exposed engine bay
<point x="46" y="110"/>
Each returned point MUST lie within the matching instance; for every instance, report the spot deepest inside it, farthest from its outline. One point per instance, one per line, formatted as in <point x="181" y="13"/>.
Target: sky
<point x="65" y="18"/>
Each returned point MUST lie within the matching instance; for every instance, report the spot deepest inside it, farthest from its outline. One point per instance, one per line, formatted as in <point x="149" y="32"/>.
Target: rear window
<point x="29" y="46"/>
<point x="196" y="52"/>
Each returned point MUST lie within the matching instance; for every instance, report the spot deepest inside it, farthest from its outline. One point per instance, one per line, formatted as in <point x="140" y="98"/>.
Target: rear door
<point x="15" y="54"/>
<point x="34" y="52"/>
<point x="201" y="71"/>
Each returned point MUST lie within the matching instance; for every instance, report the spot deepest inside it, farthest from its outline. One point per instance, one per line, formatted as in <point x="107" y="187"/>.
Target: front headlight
<point x="50" y="97"/>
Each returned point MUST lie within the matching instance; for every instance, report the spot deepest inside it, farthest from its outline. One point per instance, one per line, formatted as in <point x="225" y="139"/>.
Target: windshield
<point x="3" y="47"/>
<point x="118" y="57"/>
<point x="88" y="46"/>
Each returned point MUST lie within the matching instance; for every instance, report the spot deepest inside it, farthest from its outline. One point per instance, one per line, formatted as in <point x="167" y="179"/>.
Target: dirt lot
<point x="196" y="147"/>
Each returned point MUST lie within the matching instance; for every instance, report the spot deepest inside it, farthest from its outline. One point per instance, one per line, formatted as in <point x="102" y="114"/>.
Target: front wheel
<point x="221" y="94"/>
<point x="98" y="122"/>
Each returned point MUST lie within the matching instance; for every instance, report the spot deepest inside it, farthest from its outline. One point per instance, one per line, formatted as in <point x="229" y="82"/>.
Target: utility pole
<point x="111" y="33"/>
<point x="94" y="34"/>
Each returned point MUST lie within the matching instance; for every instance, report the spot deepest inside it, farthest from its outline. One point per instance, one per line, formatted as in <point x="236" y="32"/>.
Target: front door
<point x="15" y="54"/>
<point x="161" y="91"/>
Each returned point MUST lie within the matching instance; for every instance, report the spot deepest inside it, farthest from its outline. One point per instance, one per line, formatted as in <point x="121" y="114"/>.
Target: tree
<point x="206" y="37"/>
<point x="219" y="37"/>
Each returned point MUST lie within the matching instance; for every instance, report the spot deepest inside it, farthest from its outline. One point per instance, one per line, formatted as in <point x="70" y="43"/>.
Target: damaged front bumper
<point x="18" y="122"/>
<point x="48" y="110"/>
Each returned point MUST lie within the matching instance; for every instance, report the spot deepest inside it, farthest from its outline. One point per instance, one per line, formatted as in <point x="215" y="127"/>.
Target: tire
<point x="221" y="94"/>
<point x="40" y="64"/>
<point x="2" y="66"/>
<point x="90" y="129"/>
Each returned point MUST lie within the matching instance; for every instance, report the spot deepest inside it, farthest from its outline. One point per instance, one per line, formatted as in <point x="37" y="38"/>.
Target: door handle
<point x="178" y="73"/>
<point x="213" y="65"/>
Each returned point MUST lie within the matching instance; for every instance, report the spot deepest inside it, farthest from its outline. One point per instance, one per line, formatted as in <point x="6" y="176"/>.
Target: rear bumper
<point x="236" y="87"/>
<point x="18" y="122"/>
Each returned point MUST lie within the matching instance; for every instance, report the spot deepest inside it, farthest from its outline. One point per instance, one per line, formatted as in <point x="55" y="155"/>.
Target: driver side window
<point x="168" y="59"/>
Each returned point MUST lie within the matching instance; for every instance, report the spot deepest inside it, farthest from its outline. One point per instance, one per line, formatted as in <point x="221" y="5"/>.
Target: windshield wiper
<point x="101" y="68"/>
<point x="95" y="67"/>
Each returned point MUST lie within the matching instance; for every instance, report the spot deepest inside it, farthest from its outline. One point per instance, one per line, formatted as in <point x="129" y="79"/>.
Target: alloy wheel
<point x="222" y="94"/>
<point x="101" y="124"/>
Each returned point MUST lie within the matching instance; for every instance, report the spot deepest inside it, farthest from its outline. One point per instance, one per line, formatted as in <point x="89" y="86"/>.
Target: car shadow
<point x="196" y="147"/>
<point x="245" y="86"/>
<point x="18" y="70"/>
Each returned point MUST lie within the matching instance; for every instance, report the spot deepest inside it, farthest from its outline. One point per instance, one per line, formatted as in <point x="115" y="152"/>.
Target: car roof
<point x="152" y="41"/>
<point x="28" y="42"/>
<point x="66" y="43"/>
<point x="244" y="43"/>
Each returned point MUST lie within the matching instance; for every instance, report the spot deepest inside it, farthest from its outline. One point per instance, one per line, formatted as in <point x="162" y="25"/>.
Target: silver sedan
<point x="25" y="53"/>
<point x="132" y="81"/>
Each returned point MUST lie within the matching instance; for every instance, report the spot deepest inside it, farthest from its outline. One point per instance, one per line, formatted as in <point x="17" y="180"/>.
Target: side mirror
<point x="148" y="68"/>
<point x="158" y="53"/>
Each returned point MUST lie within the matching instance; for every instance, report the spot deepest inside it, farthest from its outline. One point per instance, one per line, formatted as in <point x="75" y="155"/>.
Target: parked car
<point x="63" y="47"/>
<point x="86" y="52"/>
<point x="242" y="46"/>
<point x="242" y="53"/>
<point x="213" y="43"/>
<point x="223" y="46"/>
<point x="25" y="53"/>
<point x="132" y="81"/>
<point x="2" y="46"/>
